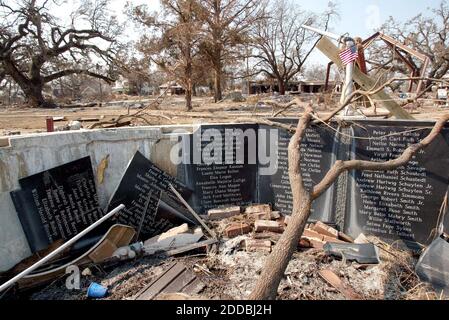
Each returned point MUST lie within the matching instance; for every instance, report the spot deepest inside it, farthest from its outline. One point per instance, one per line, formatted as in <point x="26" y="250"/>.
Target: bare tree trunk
<point x="274" y="269"/>
<point x="218" y="94"/>
<point x="34" y="95"/>
<point x="281" y="87"/>
<point x="266" y="287"/>
<point x="189" y="98"/>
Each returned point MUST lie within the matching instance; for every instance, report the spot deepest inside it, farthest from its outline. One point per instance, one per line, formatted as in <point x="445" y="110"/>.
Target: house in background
<point x="121" y="86"/>
<point x="172" y="88"/>
<point x="318" y="86"/>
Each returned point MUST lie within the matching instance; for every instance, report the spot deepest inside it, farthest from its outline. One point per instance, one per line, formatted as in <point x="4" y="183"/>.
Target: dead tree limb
<point x="274" y="269"/>
<point x="140" y="114"/>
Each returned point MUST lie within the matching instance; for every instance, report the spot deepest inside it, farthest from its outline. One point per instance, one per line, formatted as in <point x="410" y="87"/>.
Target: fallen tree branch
<point x="140" y="114"/>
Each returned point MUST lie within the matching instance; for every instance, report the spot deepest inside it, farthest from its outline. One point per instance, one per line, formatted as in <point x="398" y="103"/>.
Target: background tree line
<point x="193" y="42"/>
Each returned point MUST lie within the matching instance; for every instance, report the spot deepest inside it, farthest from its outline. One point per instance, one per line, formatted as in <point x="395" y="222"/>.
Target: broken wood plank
<point x="176" y="279"/>
<point x="326" y="46"/>
<point x="335" y="281"/>
<point x="197" y="217"/>
<point x="158" y="285"/>
<point x="345" y="237"/>
<point x="191" y="247"/>
<point x="325" y="230"/>
<point x="194" y="287"/>
<point x="181" y="281"/>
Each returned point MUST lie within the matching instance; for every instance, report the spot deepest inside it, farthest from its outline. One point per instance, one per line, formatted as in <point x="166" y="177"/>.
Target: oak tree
<point x="37" y="48"/>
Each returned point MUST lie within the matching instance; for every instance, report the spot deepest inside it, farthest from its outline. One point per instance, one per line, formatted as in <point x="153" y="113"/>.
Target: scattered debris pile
<point x="153" y="245"/>
<point x="180" y="265"/>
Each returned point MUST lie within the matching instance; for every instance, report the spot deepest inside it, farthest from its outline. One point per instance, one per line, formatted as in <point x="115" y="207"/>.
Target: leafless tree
<point x="37" y="49"/>
<point x="226" y="27"/>
<point x="282" y="46"/>
<point x="173" y="40"/>
<point x="426" y="33"/>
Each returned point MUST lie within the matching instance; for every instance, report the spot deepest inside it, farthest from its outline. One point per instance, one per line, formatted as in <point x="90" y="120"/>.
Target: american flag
<point x="349" y="55"/>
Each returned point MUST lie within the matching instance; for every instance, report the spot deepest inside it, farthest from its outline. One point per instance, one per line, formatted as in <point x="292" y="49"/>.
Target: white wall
<point x="28" y="155"/>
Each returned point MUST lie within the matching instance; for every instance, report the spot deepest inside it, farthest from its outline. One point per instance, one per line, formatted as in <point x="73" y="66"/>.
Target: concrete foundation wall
<point x="28" y="155"/>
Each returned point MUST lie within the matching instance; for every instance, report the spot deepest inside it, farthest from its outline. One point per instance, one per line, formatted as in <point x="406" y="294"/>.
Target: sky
<point x="357" y="17"/>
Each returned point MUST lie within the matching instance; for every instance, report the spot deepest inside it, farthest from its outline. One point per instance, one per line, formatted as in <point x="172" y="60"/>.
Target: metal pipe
<point x="60" y="249"/>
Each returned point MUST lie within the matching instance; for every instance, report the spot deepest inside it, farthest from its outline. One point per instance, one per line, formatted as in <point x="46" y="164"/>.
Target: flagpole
<point x="348" y="86"/>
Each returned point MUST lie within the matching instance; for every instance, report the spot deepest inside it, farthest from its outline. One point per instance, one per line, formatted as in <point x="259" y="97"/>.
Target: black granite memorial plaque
<point x="221" y="168"/>
<point x="402" y="204"/>
<point x="57" y="203"/>
<point x="319" y="150"/>
<point x="151" y="207"/>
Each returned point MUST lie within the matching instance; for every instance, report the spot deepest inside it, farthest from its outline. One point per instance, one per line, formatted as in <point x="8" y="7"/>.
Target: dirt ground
<point x="23" y="120"/>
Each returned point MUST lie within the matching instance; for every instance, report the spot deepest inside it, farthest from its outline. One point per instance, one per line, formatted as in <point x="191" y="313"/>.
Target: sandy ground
<point x="22" y="120"/>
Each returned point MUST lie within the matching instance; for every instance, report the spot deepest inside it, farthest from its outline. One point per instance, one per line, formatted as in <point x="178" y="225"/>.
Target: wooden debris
<point x="184" y="228"/>
<point x="90" y="119"/>
<point x="172" y="242"/>
<point x="345" y="237"/>
<point x="199" y="245"/>
<point x="177" y="279"/>
<point x="325" y="230"/>
<point x="335" y="281"/>
<point x="223" y="213"/>
<point x="266" y="225"/>
<point x="197" y="217"/>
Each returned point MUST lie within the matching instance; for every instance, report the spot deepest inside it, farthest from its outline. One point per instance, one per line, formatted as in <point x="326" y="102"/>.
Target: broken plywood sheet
<point x="332" y="279"/>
